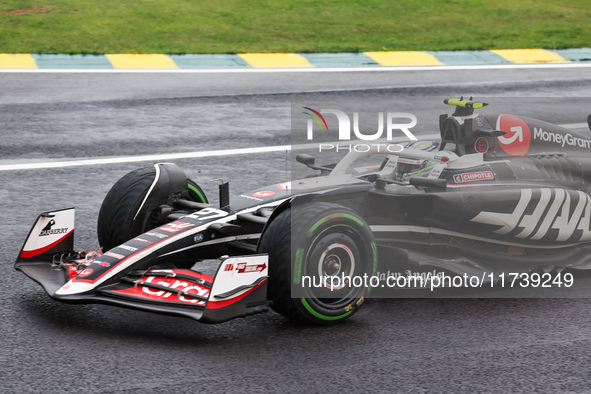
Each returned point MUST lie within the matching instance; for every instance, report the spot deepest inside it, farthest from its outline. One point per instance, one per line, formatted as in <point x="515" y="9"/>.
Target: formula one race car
<point x="510" y="194"/>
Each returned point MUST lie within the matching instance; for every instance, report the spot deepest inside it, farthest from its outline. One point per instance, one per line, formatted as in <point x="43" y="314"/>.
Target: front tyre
<point x="128" y="206"/>
<point x="322" y="240"/>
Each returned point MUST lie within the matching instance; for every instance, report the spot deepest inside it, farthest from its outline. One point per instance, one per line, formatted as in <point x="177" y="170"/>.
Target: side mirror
<point x="305" y="159"/>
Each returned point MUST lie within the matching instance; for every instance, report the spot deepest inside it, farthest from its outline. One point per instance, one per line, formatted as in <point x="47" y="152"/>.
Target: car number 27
<point x="208" y="214"/>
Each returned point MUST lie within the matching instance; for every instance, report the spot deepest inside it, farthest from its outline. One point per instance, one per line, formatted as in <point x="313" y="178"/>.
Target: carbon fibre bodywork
<point x="512" y="194"/>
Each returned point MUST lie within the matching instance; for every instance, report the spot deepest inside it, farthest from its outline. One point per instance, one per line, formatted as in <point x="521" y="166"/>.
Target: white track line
<point x="195" y="155"/>
<point x="304" y="70"/>
<point x="176" y="156"/>
<point x="132" y="159"/>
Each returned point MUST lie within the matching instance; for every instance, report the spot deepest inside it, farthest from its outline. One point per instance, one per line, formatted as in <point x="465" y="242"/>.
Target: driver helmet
<point x="408" y="168"/>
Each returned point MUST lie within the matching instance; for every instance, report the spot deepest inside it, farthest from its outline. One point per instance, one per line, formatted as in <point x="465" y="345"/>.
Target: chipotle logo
<point x="474" y="176"/>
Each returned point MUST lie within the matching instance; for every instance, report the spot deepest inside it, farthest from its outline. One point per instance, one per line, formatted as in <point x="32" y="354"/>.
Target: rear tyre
<point x="123" y="216"/>
<point x="322" y="239"/>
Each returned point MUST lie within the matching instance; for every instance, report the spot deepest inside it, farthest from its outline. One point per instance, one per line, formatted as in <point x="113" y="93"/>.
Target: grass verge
<point x="232" y="26"/>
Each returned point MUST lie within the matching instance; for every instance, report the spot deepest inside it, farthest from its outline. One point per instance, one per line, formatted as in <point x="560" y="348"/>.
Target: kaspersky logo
<point x="395" y="122"/>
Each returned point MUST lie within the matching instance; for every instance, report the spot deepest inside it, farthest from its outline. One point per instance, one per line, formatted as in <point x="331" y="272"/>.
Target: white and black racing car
<point x="506" y="186"/>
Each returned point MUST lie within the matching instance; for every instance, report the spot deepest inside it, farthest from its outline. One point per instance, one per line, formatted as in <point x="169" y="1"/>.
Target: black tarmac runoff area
<point x="392" y="345"/>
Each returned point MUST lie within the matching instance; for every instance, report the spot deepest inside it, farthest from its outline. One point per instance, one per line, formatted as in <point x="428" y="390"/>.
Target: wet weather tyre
<point x="119" y="219"/>
<point x="321" y="239"/>
<point x="195" y="192"/>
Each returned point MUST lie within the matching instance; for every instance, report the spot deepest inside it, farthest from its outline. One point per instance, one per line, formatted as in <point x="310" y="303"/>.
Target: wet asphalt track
<point x="459" y="345"/>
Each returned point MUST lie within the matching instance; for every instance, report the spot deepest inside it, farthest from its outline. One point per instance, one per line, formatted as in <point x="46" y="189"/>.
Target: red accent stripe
<point x="32" y="253"/>
<point x="224" y="303"/>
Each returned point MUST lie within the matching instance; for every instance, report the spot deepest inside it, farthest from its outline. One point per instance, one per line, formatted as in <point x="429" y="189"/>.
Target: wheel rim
<point x="336" y="260"/>
<point x="338" y="250"/>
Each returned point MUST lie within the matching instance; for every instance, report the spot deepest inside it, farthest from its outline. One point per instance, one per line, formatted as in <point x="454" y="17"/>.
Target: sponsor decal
<point x="561" y="139"/>
<point x="86" y="272"/>
<point x="102" y="263"/>
<point x="550" y="214"/>
<point x="157" y="235"/>
<point x="115" y="255"/>
<point x="436" y="171"/>
<point x="474" y="176"/>
<point x="441" y="158"/>
<point x="481" y="145"/>
<point x="187" y="286"/>
<point x="176" y="226"/>
<point x="48" y="230"/>
<point x="389" y="167"/>
<point x="247" y="268"/>
<point x="126" y="247"/>
<point x="198" y="237"/>
<point x="517" y="139"/>
<point x="229" y="267"/>
<point x="143" y="241"/>
<point x="264" y="193"/>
